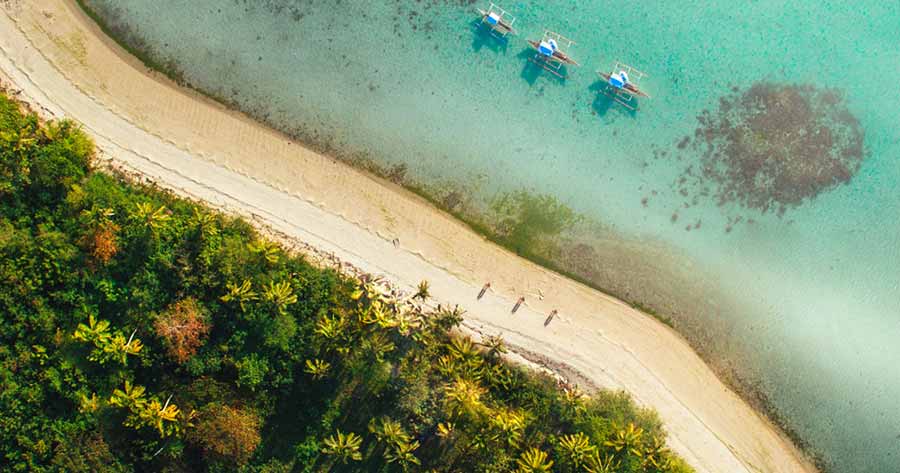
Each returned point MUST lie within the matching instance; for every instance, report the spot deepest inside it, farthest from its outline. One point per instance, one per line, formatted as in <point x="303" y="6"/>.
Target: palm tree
<point x="163" y="417"/>
<point x="97" y="216"/>
<point x="242" y="293"/>
<point x="155" y="220"/>
<point x="330" y="328"/>
<point x="445" y="429"/>
<point x="94" y="332"/>
<point x="118" y="348"/>
<point x="379" y="345"/>
<point x="88" y="404"/>
<point x="387" y="430"/>
<point x="317" y="368"/>
<point x="132" y="395"/>
<point x="377" y="313"/>
<point x="601" y="464"/>
<point x="281" y="294"/>
<point x="206" y="223"/>
<point x="508" y="425"/>
<point x="495" y="345"/>
<point x="656" y="455"/>
<point x="463" y="397"/>
<point x="344" y="447"/>
<point x="422" y="291"/>
<point x="534" y="461"/>
<point x="402" y="454"/>
<point x="446" y="319"/>
<point x="628" y="441"/>
<point x="462" y="348"/>
<point x="267" y="249"/>
<point x="576" y="448"/>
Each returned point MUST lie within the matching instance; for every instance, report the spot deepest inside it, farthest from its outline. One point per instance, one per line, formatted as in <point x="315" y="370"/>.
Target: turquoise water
<point x="805" y="305"/>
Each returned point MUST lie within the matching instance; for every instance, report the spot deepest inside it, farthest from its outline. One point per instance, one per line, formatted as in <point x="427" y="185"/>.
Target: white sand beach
<point x="56" y="59"/>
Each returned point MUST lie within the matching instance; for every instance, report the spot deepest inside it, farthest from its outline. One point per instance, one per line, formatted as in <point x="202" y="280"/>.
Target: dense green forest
<point x="142" y="332"/>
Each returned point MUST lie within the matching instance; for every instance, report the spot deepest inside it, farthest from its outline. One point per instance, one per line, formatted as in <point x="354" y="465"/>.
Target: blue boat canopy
<point x="547" y="48"/>
<point x="493" y="18"/>
<point x="618" y="79"/>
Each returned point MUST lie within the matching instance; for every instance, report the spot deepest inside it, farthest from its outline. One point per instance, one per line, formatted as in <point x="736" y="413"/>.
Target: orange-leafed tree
<point x="226" y="433"/>
<point x="103" y="242"/>
<point x="182" y="327"/>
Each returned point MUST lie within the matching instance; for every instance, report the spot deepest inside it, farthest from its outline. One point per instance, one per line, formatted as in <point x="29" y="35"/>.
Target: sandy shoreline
<point x="63" y="64"/>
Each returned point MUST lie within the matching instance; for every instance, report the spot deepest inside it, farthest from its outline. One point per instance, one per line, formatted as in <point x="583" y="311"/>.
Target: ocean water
<point x="801" y="302"/>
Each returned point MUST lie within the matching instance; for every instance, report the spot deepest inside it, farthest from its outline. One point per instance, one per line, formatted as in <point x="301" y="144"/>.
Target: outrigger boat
<point x="551" y="52"/>
<point x="499" y="20"/>
<point x="622" y="84"/>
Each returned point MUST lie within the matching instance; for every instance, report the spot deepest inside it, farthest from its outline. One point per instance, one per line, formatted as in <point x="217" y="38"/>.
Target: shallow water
<point x="806" y="305"/>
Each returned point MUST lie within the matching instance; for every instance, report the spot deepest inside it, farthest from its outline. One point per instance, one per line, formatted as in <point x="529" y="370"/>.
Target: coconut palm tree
<point x="388" y="431"/>
<point x="576" y="448"/>
<point x="627" y="441"/>
<point x="598" y="463"/>
<point x="507" y="426"/>
<point x="422" y="291"/>
<point x="317" y="368"/>
<point x="445" y="429"/>
<point x="95" y="331"/>
<point x="267" y="249"/>
<point x="534" y="460"/>
<point x="205" y="222"/>
<point x="279" y="293"/>
<point x="402" y="454"/>
<point x="656" y="455"/>
<point x="156" y="220"/>
<point x="343" y="447"/>
<point x="495" y="346"/>
<point x="162" y="417"/>
<point x="378" y="345"/>
<point x="330" y="328"/>
<point x="242" y="293"/>
<point x="463" y="397"/>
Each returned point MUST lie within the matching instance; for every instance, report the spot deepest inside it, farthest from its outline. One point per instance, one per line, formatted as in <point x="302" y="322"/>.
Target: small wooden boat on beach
<point x="621" y="84"/>
<point x="551" y="52"/>
<point x="498" y="20"/>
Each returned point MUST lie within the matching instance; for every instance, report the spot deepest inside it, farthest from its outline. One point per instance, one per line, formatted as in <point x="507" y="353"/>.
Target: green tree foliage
<point x="141" y="332"/>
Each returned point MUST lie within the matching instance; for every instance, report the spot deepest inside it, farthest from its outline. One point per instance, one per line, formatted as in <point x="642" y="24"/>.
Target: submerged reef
<point x="773" y="147"/>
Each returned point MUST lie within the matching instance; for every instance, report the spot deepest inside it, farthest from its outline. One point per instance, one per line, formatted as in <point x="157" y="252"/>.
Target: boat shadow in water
<point x="603" y="103"/>
<point x="532" y="70"/>
<point x="484" y="37"/>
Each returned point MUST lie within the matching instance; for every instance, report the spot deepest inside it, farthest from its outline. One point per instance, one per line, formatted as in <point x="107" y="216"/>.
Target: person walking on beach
<point x="518" y="304"/>
<point x="483" y="290"/>
<point x="550" y="318"/>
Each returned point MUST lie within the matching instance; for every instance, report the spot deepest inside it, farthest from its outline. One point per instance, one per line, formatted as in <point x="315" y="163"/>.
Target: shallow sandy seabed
<point x="57" y="60"/>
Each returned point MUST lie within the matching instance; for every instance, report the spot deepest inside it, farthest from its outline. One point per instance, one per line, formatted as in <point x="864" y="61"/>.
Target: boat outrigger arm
<point x="499" y="20"/>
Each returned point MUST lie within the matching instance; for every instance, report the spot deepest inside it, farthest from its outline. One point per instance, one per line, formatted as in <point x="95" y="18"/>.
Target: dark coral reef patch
<point x="774" y="146"/>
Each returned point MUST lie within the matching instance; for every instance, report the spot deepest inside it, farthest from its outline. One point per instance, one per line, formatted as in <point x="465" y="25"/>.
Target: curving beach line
<point x="55" y="58"/>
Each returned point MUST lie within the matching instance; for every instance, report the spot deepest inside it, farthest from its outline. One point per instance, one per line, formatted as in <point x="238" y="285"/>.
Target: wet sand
<point x="63" y="65"/>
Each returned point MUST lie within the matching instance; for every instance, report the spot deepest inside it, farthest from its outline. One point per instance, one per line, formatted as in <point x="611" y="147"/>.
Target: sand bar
<point x="61" y="63"/>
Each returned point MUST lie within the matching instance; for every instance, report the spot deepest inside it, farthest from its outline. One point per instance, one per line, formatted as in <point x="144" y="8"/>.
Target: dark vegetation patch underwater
<point x="143" y="332"/>
<point x="773" y="147"/>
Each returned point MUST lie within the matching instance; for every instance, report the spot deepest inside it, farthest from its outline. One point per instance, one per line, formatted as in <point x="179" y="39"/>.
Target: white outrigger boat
<point x="622" y="84"/>
<point x="551" y="52"/>
<point x="498" y="20"/>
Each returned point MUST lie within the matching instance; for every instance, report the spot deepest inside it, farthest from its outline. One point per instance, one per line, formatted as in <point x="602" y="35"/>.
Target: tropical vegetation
<point x="144" y="332"/>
